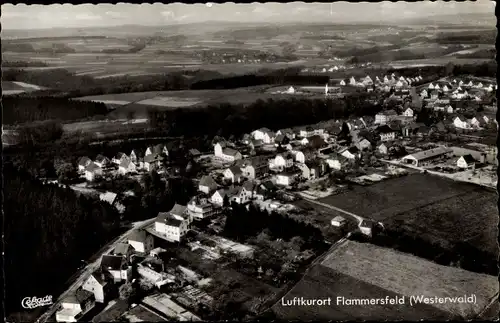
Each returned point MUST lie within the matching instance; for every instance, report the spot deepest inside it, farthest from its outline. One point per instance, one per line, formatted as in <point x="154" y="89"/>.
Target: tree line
<point x="17" y="110"/>
<point x="461" y="254"/>
<point x="242" y="223"/>
<point x="236" y="119"/>
<point x="48" y="230"/>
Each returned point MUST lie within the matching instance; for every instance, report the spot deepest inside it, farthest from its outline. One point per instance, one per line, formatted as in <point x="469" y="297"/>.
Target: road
<point x="87" y="271"/>
<point x="355" y="216"/>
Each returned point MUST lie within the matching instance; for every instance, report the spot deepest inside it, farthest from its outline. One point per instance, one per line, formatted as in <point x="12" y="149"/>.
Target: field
<point x="432" y="207"/>
<point x="11" y="88"/>
<point x="322" y="282"/>
<point x="140" y="102"/>
<point x="437" y="62"/>
<point x="470" y="217"/>
<point x="408" y="275"/>
<point x="396" y="195"/>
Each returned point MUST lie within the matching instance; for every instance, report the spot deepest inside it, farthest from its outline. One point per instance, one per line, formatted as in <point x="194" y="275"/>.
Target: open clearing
<point x="434" y="208"/>
<point x="321" y="282"/>
<point x="11" y="88"/>
<point x="409" y="275"/>
<point x="383" y="199"/>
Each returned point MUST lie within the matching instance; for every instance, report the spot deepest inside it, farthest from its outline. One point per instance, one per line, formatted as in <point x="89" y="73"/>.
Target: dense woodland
<point x="227" y="119"/>
<point x="21" y="109"/>
<point x="48" y="231"/>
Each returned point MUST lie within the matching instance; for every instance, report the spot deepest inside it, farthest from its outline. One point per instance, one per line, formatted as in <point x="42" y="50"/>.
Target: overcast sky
<point x="56" y="15"/>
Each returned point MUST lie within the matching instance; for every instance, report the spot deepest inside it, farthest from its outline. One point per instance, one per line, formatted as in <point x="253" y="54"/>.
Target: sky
<point x="23" y="16"/>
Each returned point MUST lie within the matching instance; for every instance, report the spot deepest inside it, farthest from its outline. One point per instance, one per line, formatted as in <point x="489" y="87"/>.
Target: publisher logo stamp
<point x="34" y="302"/>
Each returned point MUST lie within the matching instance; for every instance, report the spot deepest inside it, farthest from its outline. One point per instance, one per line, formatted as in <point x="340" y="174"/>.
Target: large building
<point x="421" y="158"/>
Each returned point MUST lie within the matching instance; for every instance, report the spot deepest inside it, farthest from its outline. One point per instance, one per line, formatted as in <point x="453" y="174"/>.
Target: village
<point x="268" y="170"/>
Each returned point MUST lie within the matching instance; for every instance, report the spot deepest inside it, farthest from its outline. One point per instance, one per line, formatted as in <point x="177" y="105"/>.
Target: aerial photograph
<point x="250" y="162"/>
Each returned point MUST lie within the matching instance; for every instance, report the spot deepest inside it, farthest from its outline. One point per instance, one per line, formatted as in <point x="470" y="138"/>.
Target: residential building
<point x="233" y="174"/>
<point x="408" y="112"/>
<point x="218" y="197"/>
<point x="134" y="157"/>
<point x="466" y="162"/>
<point x="152" y="161"/>
<point x="119" y="158"/>
<point x="243" y="194"/>
<point x="312" y="169"/>
<point x="386" y="133"/>
<point x="141" y="241"/>
<point x="159" y="149"/>
<point x="116" y="267"/>
<point x="101" y="161"/>
<point x="281" y="161"/>
<point x="226" y="154"/>
<point x="384" y="148"/>
<point x="385" y="116"/>
<point x="73" y="307"/>
<point x="127" y="166"/>
<point x="336" y="161"/>
<point x="123" y="249"/>
<point x="201" y="208"/>
<point x="207" y="184"/>
<point x="171" y="227"/>
<point x="109" y="197"/>
<point x="366" y="227"/>
<point x="83" y="163"/>
<point x="306" y="132"/>
<point x="286" y="178"/>
<point x="153" y="271"/>
<point x="461" y="123"/>
<point x="264" y="134"/>
<point x="180" y="212"/>
<point x="363" y="144"/>
<point x="97" y="285"/>
<point x="351" y="153"/>
<point x="92" y="171"/>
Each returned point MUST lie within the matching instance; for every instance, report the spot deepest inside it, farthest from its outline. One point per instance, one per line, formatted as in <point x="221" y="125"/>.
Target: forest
<point x="226" y="119"/>
<point x="21" y="109"/>
<point x="48" y="231"/>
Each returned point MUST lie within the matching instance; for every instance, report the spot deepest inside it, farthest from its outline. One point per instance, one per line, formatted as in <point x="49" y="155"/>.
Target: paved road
<point x="89" y="270"/>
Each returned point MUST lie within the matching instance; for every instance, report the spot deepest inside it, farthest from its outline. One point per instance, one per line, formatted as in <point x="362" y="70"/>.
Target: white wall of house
<point x="93" y="286"/>
<point x="140" y="246"/>
<point x="334" y="164"/>
<point x="171" y="232"/>
<point x="217" y="199"/>
<point x="284" y="180"/>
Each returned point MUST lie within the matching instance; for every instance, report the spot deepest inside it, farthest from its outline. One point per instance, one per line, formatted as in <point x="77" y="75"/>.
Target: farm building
<point x="423" y="157"/>
<point x="338" y="221"/>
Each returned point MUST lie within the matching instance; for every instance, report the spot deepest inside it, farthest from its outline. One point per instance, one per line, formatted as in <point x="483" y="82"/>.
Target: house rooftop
<point x="468" y="158"/>
<point x="92" y="167"/>
<point x="207" y="181"/>
<point x="112" y="262"/>
<point x="138" y="235"/>
<point x="229" y="152"/>
<point x="168" y="219"/>
<point x="84" y="161"/>
<point x="122" y="249"/>
<point x="79" y="297"/>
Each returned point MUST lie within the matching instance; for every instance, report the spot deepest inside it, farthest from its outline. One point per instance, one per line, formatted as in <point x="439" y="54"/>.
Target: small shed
<point x="338" y="221"/>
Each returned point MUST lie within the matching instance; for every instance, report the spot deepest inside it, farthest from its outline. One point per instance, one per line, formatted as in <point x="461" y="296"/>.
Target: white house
<point x="75" y="306"/>
<point x="218" y="197"/>
<point x="233" y="174"/>
<point x="408" y="112"/>
<point x="290" y="90"/>
<point x="431" y="86"/>
<point x="127" y="166"/>
<point x="101" y="161"/>
<point x="445" y="89"/>
<point x="461" y="123"/>
<point x="281" y="161"/>
<point x="399" y="84"/>
<point x="466" y="162"/>
<point x="437" y="87"/>
<point x="96" y="284"/>
<point x="335" y="161"/>
<point x="158" y="149"/>
<point x="264" y="134"/>
<point x="352" y="81"/>
<point x="141" y="241"/>
<point x="424" y="93"/>
<point x="338" y="221"/>
<point x="226" y="154"/>
<point x="385" y="116"/>
<point x="286" y="178"/>
<point x="116" y="267"/>
<point x="242" y="194"/>
<point x="342" y="83"/>
<point x="386" y="133"/>
<point x="171" y="227"/>
<point x="207" y="184"/>
<point x="92" y="171"/>
<point x="350" y="153"/>
<point x="119" y="158"/>
<point x="200" y="208"/>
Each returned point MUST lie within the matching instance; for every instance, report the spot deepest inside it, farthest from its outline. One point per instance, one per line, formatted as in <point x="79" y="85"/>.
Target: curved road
<point x="331" y="207"/>
<point x="90" y="269"/>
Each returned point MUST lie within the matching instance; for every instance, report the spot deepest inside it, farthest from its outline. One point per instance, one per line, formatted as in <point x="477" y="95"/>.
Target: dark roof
<point x="235" y="170"/>
<point x="178" y="209"/>
<point x="99" y="276"/>
<point x="194" y="152"/>
<point x="384" y="129"/>
<point x="112" y="262"/>
<point x="249" y="185"/>
<point x="468" y="158"/>
<point x="121" y="249"/>
<point x="229" y="152"/>
<point x="79" y="297"/>
<point x="120" y="155"/>
<point x="151" y="158"/>
<point x="207" y="181"/>
<point x="316" y="141"/>
<point x="138" y="235"/>
<point x="353" y="150"/>
<point x="125" y="163"/>
<point x="91" y="167"/>
<point x="168" y="219"/>
<point x="101" y="158"/>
